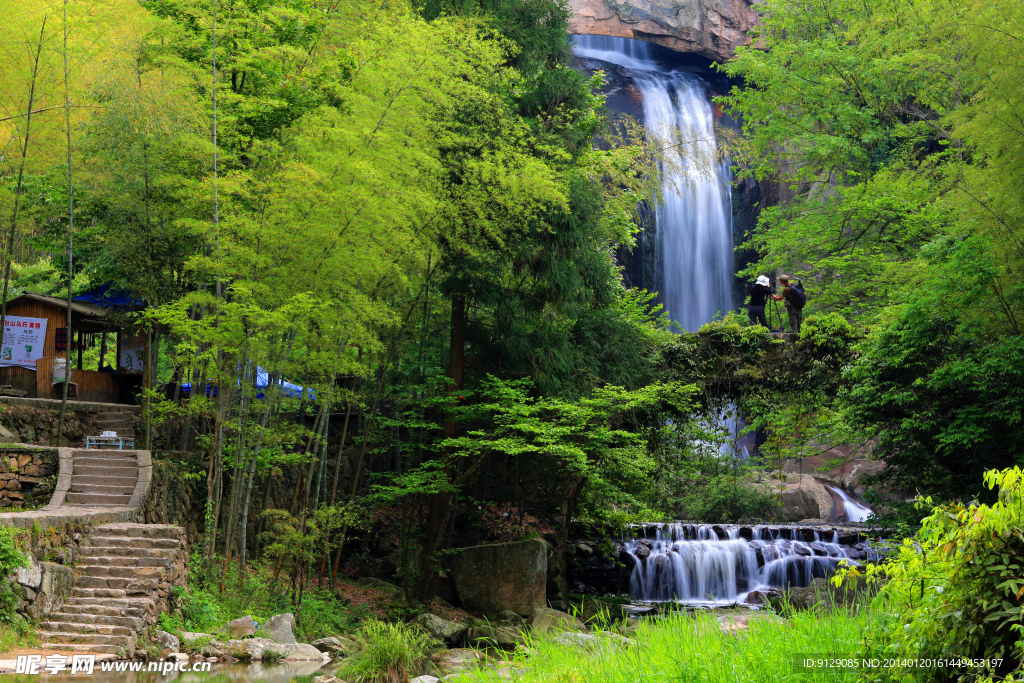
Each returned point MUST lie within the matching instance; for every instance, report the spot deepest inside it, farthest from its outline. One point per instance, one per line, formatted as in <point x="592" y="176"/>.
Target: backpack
<point x="797" y="297"/>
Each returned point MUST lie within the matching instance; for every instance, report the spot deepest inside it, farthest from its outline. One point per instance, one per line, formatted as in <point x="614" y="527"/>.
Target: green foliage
<point x="11" y="557"/>
<point x="726" y="498"/>
<point x="955" y="589"/>
<point x="942" y="394"/>
<point x="390" y="653"/>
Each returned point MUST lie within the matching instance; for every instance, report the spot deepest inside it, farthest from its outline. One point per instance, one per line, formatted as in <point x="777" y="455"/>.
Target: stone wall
<point x="23" y="423"/>
<point x="27" y="475"/>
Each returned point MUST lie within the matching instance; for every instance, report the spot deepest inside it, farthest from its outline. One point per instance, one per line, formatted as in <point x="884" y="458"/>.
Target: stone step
<point x="103" y="480"/>
<point x="105" y="471"/>
<point x="134" y="623"/>
<point x="124" y="560"/>
<point x="82" y="593"/>
<point x="85" y="629"/>
<point x="129" y="585"/>
<point x="73" y="638"/>
<point x="110" y="499"/>
<point x="96" y="611"/>
<point x="112" y="552"/>
<point x="135" y="602"/>
<point x="134" y="530"/>
<point x="99" y="488"/>
<point x="106" y="459"/>
<point x="115" y="422"/>
<point x="123" y="542"/>
<point x="85" y="647"/>
<point x="119" y="571"/>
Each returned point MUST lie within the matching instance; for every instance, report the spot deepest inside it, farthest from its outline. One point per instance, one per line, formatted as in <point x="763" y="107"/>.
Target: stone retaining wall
<point x="37" y="424"/>
<point x="27" y="475"/>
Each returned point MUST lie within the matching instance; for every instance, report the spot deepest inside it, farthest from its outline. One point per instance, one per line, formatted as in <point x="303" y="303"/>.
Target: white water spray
<point x="854" y="511"/>
<point x="712" y="564"/>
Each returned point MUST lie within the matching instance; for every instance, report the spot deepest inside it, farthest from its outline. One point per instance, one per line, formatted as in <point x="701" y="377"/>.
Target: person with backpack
<point x="795" y="298"/>
<point x="759" y="293"/>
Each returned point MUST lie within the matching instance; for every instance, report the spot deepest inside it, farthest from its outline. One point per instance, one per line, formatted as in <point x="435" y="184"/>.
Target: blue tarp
<point x="110" y="298"/>
<point x="288" y="389"/>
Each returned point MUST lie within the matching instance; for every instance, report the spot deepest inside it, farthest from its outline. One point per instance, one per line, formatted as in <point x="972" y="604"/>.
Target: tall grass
<point x="683" y="648"/>
<point x="389" y="653"/>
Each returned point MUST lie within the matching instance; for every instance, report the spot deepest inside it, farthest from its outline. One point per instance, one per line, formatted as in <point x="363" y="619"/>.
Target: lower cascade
<point x="704" y="563"/>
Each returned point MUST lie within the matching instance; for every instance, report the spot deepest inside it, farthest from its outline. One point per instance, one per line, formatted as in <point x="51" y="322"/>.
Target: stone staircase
<point x="119" y="421"/>
<point x="124" y="575"/>
<point x="102" y="477"/>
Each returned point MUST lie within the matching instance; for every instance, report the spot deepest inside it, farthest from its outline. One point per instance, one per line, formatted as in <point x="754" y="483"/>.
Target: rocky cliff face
<point x="712" y="28"/>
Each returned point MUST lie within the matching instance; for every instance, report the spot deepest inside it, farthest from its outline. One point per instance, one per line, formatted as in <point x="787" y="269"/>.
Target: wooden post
<point x="81" y="340"/>
<point x="103" y="350"/>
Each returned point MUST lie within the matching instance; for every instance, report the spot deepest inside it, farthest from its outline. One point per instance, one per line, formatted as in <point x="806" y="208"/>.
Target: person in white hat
<point x="759" y="293"/>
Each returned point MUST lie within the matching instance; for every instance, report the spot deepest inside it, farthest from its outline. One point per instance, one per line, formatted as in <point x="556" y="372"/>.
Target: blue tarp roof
<point x="109" y="298"/>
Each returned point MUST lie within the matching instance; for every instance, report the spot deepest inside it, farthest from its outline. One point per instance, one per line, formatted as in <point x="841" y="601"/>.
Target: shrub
<point x="389" y="653"/>
<point x="322" y="614"/>
<point x="955" y="590"/>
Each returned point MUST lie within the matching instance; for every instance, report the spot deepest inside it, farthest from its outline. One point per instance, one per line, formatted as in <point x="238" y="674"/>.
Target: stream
<point x="299" y="672"/>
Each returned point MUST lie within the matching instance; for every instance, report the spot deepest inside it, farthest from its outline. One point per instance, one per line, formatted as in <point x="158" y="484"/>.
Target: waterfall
<point x="693" y="221"/>
<point x="854" y="511"/>
<point x="703" y="563"/>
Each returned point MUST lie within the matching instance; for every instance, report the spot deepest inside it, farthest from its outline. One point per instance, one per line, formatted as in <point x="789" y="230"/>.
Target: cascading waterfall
<point x="694" y="218"/>
<point x="693" y="221"/>
<point x="712" y="563"/>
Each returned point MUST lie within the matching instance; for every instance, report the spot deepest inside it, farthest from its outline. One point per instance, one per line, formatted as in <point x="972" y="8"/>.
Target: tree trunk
<point x="439" y="507"/>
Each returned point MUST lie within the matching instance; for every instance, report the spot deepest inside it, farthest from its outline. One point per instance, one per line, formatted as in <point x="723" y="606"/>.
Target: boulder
<point x="178" y="657"/>
<point x="422" y="679"/>
<point x="30" y="576"/>
<point x="6" y="435"/>
<point x="325" y="679"/>
<point x="303" y="652"/>
<point x="821" y="593"/>
<point x="545" y="619"/>
<point x="487" y="635"/>
<point x="592" y="641"/>
<point x="584" y="549"/>
<point x="278" y="628"/>
<point x="459" y="659"/>
<point x="503" y="576"/>
<point x="339" y="647"/>
<point x="255" y="649"/>
<point x="797" y="504"/>
<point x="449" y="631"/>
<point x="511" y="620"/>
<point x="56" y="583"/>
<point x="167" y="640"/>
<point x="597" y="610"/>
<point x="241" y="627"/>
<point x="763" y="596"/>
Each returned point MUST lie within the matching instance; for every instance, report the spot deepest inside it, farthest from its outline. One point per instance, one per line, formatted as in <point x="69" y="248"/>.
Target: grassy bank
<point x="682" y="648"/>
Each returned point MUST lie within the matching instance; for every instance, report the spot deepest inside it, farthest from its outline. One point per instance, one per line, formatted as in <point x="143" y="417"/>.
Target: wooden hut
<point x="36" y="334"/>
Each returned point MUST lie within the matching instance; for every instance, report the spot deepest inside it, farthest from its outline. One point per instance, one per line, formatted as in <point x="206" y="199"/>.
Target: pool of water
<point x="300" y="672"/>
